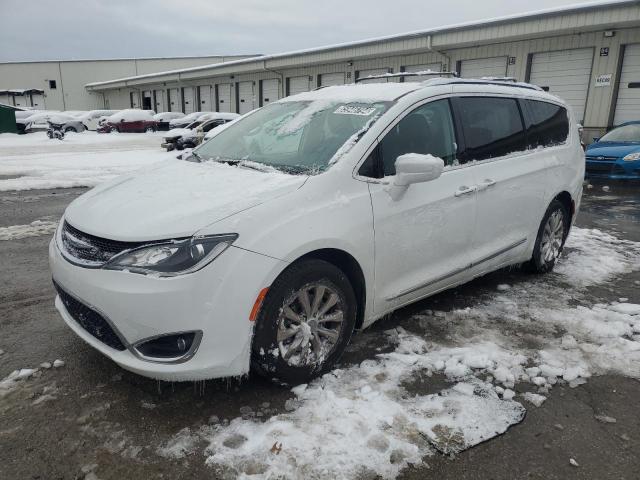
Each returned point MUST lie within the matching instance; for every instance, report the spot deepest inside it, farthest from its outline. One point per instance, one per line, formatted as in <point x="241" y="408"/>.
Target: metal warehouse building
<point x="60" y="85"/>
<point x="589" y="55"/>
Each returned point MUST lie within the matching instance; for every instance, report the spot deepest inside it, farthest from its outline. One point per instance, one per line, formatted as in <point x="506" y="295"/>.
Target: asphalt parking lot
<point x="90" y="419"/>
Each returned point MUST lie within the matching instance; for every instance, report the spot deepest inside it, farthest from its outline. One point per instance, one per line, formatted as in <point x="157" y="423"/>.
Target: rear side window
<point x="547" y="124"/>
<point x="492" y="127"/>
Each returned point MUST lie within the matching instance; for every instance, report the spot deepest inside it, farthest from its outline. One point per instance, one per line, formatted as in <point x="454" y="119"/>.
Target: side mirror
<point x="596" y="139"/>
<point x="417" y="168"/>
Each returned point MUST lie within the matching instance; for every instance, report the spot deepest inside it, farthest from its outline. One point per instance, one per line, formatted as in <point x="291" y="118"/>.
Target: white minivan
<point x="312" y="217"/>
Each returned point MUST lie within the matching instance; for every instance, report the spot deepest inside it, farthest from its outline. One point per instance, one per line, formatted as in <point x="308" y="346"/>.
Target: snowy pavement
<point x="85" y="159"/>
<point x="539" y="374"/>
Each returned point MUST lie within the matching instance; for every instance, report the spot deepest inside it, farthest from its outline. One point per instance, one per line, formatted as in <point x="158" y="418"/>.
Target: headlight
<point x="173" y="257"/>
<point x="632" y="157"/>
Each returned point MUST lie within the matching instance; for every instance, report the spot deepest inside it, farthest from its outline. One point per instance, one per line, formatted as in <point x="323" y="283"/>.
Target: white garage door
<point x="175" y="105"/>
<point x="135" y="100"/>
<point x="270" y="91"/>
<point x="20" y="101"/>
<point x="373" y="71"/>
<point x="328" y="79"/>
<point x="189" y="100"/>
<point x="484" y="67"/>
<point x="628" y="103"/>
<point x="160" y="100"/>
<point x="206" y="101"/>
<point x="298" y="85"/>
<point x="246" y="101"/>
<point x="565" y="74"/>
<point x="38" y="100"/>
<point x="224" y="97"/>
<point x="433" y="67"/>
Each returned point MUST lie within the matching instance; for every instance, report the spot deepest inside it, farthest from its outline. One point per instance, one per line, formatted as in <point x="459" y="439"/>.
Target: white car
<point x="90" y="119"/>
<point x="312" y="217"/>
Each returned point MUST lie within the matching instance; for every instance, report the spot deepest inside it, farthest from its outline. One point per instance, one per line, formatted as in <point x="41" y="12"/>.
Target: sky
<point x="94" y="29"/>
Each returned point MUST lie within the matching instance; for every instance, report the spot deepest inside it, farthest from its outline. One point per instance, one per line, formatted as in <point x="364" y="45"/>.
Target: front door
<point x="423" y="235"/>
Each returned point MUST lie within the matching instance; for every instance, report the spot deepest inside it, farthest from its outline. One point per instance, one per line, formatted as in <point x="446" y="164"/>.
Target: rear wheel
<point x="149" y="130"/>
<point x="551" y="237"/>
<point x="305" y="323"/>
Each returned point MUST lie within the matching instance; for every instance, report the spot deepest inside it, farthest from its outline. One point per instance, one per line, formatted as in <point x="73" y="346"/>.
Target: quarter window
<point x="492" y="127"/>
<point x="426" y="130"/>
<point x="548" y="124"/>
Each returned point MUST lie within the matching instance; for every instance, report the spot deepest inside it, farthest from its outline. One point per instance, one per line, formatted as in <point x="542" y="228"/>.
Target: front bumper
<point x="216" y="300"/>
<point x="614" y="169"/>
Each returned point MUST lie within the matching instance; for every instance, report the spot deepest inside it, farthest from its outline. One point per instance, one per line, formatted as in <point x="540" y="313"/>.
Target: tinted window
<point x="549" y="124"/>
<point x="426" y="130"/>
<point x="492" y="127"/>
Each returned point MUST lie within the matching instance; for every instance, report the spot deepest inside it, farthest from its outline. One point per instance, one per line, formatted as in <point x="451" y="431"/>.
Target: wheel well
<point x="351" y="269"/>
<point x="567" y="201"/>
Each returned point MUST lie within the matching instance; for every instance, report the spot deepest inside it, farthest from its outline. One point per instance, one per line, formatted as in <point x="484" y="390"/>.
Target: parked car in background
<point x="617" y="154"/>
<point x="196" y="136"/>
<point x="90" y="119"/>
<point x="164" y="118"/>
<point x="182" y="122"/>
<point x="39" y="122"/>
<point x="170" y="139"/>
<point x="129" y="121"/>
<point x="259" y="252"/>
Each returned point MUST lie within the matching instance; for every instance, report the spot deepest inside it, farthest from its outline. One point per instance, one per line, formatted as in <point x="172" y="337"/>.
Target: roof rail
<point x="408" y="74"/>
<point x="500" y="81"/>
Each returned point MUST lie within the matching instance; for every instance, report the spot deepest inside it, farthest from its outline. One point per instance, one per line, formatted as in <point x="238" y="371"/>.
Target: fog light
<point x="167" y="347"/>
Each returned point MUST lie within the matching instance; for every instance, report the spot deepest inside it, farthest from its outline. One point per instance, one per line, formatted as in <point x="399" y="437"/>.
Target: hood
<point x="176" y="132"/>
<point x="612" y="149"/>
<point x="174" y="199"/>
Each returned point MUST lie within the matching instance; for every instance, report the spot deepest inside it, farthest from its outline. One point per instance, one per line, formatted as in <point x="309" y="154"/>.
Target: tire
<point x="322" y="351"/>
<point x="149" y="130"/>
<point x="49" y="134"/>
<point x="544" y="258"/>
<point x="70" y="129"/>
<point x="113" y="130"/>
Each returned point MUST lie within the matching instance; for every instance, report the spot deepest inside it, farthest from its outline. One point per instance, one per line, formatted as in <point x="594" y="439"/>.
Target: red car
<point x="129" y="121"/>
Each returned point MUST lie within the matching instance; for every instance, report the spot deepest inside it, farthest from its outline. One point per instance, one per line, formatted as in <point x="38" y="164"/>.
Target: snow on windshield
<point x="295" y="136"/>
<point x="626" y="133"/>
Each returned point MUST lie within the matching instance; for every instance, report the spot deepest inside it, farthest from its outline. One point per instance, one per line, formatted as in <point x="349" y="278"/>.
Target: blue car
<point x="617" y="154"/>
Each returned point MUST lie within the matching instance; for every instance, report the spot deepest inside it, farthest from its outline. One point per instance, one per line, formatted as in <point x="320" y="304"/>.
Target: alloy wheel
<point x="552" y="237"/>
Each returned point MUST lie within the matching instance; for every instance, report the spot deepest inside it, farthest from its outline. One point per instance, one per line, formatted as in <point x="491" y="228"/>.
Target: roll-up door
<point x="175" y="105"/>
<point x="206" y="101"/>
<point x="270" y="91"/>
<point x="370" y="72"/>
<point x="484" y="67"/>
<point x="223" y="97"/>
<point x="134" y="99"/>
<point x="160" y="100"/>
<point x="628" y="103"/>
<point x="426" y="67"/>
<point x="189" y="100"/>
<point x="328" y="79"/>
<point x="298" y="85"/>
<point x="37" y="100"/>
<point x="565" y="73"/>
<point x="246" y="101"/>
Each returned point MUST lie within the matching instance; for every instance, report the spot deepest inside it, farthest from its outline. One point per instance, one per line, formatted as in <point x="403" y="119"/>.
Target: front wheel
<point x="304" y="324"/>
<point x="551" y="237"/>
<point x="113" y="130"/>
<point x="149" y="130"/>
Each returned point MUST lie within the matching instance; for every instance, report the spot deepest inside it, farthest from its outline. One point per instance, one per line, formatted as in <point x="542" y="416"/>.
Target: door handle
<point x="486" y="184"/>
<point x="464" y="190"/>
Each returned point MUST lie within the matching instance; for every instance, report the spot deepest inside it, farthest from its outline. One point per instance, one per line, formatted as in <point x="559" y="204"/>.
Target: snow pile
<point x="34" y="229"/>
<point x="362" y="419"/>
<point x="18" y="377"/>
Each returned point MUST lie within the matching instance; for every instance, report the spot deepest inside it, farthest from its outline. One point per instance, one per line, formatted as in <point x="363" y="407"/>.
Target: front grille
<point x="90" y="320"/>
<point x="91" y="250"/>
<point x="600" y="158"/>
<point x="599" y="167"/>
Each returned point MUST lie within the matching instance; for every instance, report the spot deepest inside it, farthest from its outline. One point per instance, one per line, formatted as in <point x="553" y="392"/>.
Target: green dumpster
<point x="7" y="120"/>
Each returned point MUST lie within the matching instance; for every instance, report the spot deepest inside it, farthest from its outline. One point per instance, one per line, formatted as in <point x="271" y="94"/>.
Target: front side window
<point x="548" y="124"/>
<point x="492" y="127"/>
<point x="426" y="130"/>
<point x="294" y="136"/>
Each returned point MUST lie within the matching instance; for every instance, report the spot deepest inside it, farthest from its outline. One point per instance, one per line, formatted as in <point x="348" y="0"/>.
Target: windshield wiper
<point x="192" y="156"/>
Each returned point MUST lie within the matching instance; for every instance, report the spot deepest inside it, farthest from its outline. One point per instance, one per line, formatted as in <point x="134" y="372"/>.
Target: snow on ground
<point x="86" y="159"/>
<point x="34" y="229"/>
<point x="501" y="356"/>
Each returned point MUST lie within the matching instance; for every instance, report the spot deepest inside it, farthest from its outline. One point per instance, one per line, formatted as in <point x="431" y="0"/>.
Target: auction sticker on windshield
<point x="355" y="110"/>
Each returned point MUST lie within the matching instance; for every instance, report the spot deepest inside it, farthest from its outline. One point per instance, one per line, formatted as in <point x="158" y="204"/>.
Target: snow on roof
<point x="370" y="92"/>
<point x="20" y="91"/>
<point x="417" y="33"/>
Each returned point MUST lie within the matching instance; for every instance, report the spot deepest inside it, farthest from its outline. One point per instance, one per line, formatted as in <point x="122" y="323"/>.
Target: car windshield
<point x="626" y="133"/>
<point x="293" y="136"/>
